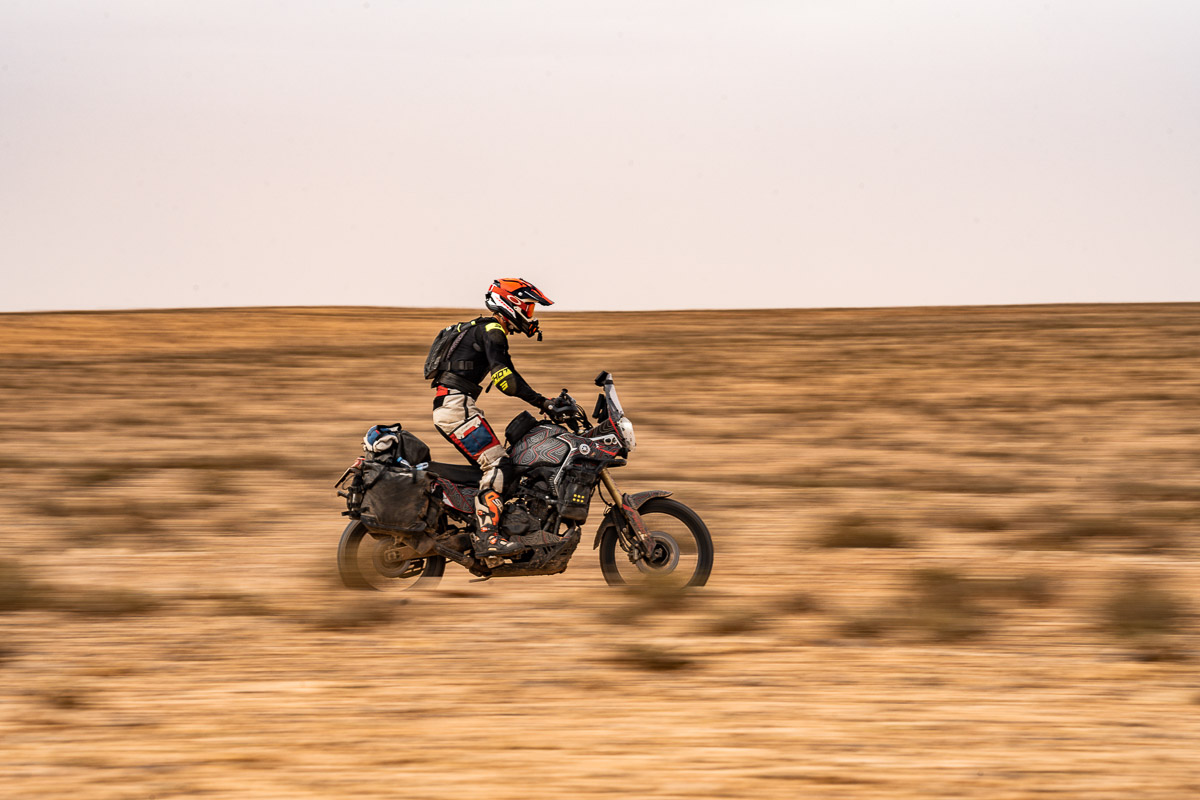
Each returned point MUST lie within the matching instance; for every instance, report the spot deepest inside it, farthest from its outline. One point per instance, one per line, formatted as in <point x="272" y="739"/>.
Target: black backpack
<point x="447" y="341"/>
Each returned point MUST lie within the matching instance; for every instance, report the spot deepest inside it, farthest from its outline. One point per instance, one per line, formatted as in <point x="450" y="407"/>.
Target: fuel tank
<point x="544" y="446"/>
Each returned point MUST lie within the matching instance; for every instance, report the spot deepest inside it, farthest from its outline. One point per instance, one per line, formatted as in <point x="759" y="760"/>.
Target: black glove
<point x="545" y="404"/>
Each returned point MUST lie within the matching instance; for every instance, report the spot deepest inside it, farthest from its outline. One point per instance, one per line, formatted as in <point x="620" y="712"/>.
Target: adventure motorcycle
<point x="554" y="469"/>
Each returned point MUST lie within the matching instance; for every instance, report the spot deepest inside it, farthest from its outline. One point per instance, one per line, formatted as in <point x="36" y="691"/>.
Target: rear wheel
<point x="376" y="562"/>
<point x="683" y="548"/>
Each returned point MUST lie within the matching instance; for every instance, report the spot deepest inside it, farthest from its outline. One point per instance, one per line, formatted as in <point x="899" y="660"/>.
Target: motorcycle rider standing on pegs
<point x="478" y="349"/>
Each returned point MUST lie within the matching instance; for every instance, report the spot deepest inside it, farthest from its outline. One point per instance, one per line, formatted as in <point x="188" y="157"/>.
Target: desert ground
<point x="956" y="558"/>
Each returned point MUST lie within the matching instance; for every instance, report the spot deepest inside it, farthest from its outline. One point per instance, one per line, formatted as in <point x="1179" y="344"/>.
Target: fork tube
<point x="613" y="491"/>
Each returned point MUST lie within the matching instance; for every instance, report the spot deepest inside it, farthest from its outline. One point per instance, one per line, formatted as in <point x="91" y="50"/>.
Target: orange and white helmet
<point x="515" y="300"/>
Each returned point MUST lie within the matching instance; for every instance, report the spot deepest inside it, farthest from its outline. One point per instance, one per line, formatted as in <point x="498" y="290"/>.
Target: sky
<point x="622" y="155"/>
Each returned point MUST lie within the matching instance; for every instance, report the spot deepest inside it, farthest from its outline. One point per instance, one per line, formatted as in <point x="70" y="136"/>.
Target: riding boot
<point x="488" y="539"/>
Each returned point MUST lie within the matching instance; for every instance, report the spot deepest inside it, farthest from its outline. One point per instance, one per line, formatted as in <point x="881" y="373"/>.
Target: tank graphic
<point x="541" y="446"/>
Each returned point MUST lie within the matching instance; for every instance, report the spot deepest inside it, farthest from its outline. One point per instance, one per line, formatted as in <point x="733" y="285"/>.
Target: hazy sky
<point x="620" y="154"/>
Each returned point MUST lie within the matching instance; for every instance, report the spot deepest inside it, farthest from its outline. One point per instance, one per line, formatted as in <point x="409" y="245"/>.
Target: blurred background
<point x="955" y="544"/>
<point x="624" y="155"/>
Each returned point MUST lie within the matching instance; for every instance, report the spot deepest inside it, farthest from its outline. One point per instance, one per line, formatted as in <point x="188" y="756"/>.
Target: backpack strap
<point x="459" y="365"/>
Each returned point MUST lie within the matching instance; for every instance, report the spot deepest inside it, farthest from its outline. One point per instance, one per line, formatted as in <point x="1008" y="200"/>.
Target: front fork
<point x="642" y="543"/>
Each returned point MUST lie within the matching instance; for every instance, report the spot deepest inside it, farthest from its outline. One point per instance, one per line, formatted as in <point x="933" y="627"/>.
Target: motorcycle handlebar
<point x="564" y="410"/>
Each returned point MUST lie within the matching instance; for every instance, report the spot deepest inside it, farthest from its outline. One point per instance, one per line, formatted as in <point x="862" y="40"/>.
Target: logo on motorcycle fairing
<point x="585" y="448"/>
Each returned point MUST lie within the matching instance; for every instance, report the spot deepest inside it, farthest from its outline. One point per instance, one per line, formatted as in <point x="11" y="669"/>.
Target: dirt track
<point x="170" y="623"/>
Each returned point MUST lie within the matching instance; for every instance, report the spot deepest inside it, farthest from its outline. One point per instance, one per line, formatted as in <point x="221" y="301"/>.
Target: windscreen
<point x="614" y="403"/>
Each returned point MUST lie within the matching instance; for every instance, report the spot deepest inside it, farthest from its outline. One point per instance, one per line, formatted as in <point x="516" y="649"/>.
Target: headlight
<point x="625" y="428"/>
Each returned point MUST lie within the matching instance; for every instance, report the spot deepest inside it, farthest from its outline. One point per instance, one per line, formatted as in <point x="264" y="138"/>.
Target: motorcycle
<point x="555" y="469"/>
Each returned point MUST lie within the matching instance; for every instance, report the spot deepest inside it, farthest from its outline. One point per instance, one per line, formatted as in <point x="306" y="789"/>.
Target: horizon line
<point x="180" y="309"/>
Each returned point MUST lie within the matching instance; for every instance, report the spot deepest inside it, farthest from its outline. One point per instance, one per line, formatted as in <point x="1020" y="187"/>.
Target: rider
<point x="483" y="351"/>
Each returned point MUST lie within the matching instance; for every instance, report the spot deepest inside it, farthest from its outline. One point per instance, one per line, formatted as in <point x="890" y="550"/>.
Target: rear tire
<point x="359" y="557"/>
<point x="683" y="556"/>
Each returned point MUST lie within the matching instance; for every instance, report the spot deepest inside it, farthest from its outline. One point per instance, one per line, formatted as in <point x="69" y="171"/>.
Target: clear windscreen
<point x="615" y="410"/>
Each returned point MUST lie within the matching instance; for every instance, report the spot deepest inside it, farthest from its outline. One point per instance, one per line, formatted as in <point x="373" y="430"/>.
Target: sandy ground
<point x="1023" y="623"/>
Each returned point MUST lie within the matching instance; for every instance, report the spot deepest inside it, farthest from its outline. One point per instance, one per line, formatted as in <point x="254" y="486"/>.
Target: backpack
<point x="393" y="444"/>
<point x="446" y="342"/>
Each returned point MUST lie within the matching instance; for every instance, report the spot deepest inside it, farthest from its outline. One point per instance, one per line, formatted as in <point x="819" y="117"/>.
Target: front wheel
<point x="683" y="548"/>
<point x="372" y="562"/>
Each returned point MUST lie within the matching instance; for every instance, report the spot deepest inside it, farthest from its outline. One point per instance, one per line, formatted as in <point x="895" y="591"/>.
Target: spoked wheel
<point x="376" y="562"/>
<point x="683" y="548"/>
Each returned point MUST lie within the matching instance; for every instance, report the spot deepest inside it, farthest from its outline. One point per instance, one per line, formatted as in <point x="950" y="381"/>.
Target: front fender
<point x="635" y="500"/>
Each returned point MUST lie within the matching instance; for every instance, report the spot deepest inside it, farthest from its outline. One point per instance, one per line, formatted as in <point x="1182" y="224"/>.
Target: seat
<point x="465" y="474"/>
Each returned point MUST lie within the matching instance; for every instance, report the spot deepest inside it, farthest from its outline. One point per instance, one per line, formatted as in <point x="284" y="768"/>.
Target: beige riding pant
<point x="463" y="424"/>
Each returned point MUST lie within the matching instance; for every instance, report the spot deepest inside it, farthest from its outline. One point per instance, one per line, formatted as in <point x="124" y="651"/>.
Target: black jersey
<point x="483" y="352"/>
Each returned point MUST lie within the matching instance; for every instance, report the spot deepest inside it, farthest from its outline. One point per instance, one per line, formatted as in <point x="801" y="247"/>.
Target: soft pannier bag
<point x="397" y="498"/>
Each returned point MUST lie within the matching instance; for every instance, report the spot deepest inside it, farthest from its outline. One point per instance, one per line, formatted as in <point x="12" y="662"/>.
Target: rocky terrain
<point x="956" y="557"/>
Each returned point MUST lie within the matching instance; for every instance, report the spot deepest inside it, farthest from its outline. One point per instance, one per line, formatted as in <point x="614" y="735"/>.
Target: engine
<point x="529" y="509"/>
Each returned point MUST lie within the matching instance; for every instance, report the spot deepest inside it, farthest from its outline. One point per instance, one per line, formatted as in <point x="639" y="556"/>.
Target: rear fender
<point x="635" y="500"/>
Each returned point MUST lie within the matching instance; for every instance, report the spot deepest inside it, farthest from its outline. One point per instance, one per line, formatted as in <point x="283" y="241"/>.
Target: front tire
<point x="683" y="553"/>
<point x="363" y="563"/>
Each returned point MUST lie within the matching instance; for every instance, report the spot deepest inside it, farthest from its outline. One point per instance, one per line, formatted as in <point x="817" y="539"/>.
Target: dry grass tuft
<point x="653" y="658"/>
<point x="361" y="611"/>
<point x="1086" y="529"/>
<point x="800" y="603"/>
<point x="1140" y="605"/>
<point x="857" y="530"/>
<point x="65" y="698"/>
<point x="247" y="606"/>
<point x="1030" y="589"/>
<point x="7" y="653"/>
<point x="1147" y="616"/>
<point x="114" y="602"/>
<point x="977" y="522"/>
<point x="943" y="605"/>
<point x="869" y="626"/>
<point x="18" y="591"/>
<point x="733" y="621"/>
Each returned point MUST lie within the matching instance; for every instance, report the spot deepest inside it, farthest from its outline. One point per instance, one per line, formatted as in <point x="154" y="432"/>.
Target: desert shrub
<point x="733" y="620"/>
<point x="977" y="522"/>
<point x="1031" y="589"/>
<point x="652" y="658"/>
<point x="1141" y="606"/>
<point x="1081" y="530"/>
<point x="866" y="626"/>
<point x="1161" y="492"/>
<point x="113" y="602"/>
<point x="18" y="591"/>
<point x="940" y="604"/>
<point x="236" y="605"/>
<point x="65" y="698"/>
<point x="943" y="604"/>
<point x="99" y="476"/>
<point x="799" y="603"/>
<point x="360" y="612"/>
<point x="857" y="530"/>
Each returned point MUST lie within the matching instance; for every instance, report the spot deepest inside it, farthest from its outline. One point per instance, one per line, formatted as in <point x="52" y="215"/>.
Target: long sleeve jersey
<point x="483" y="352"/>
